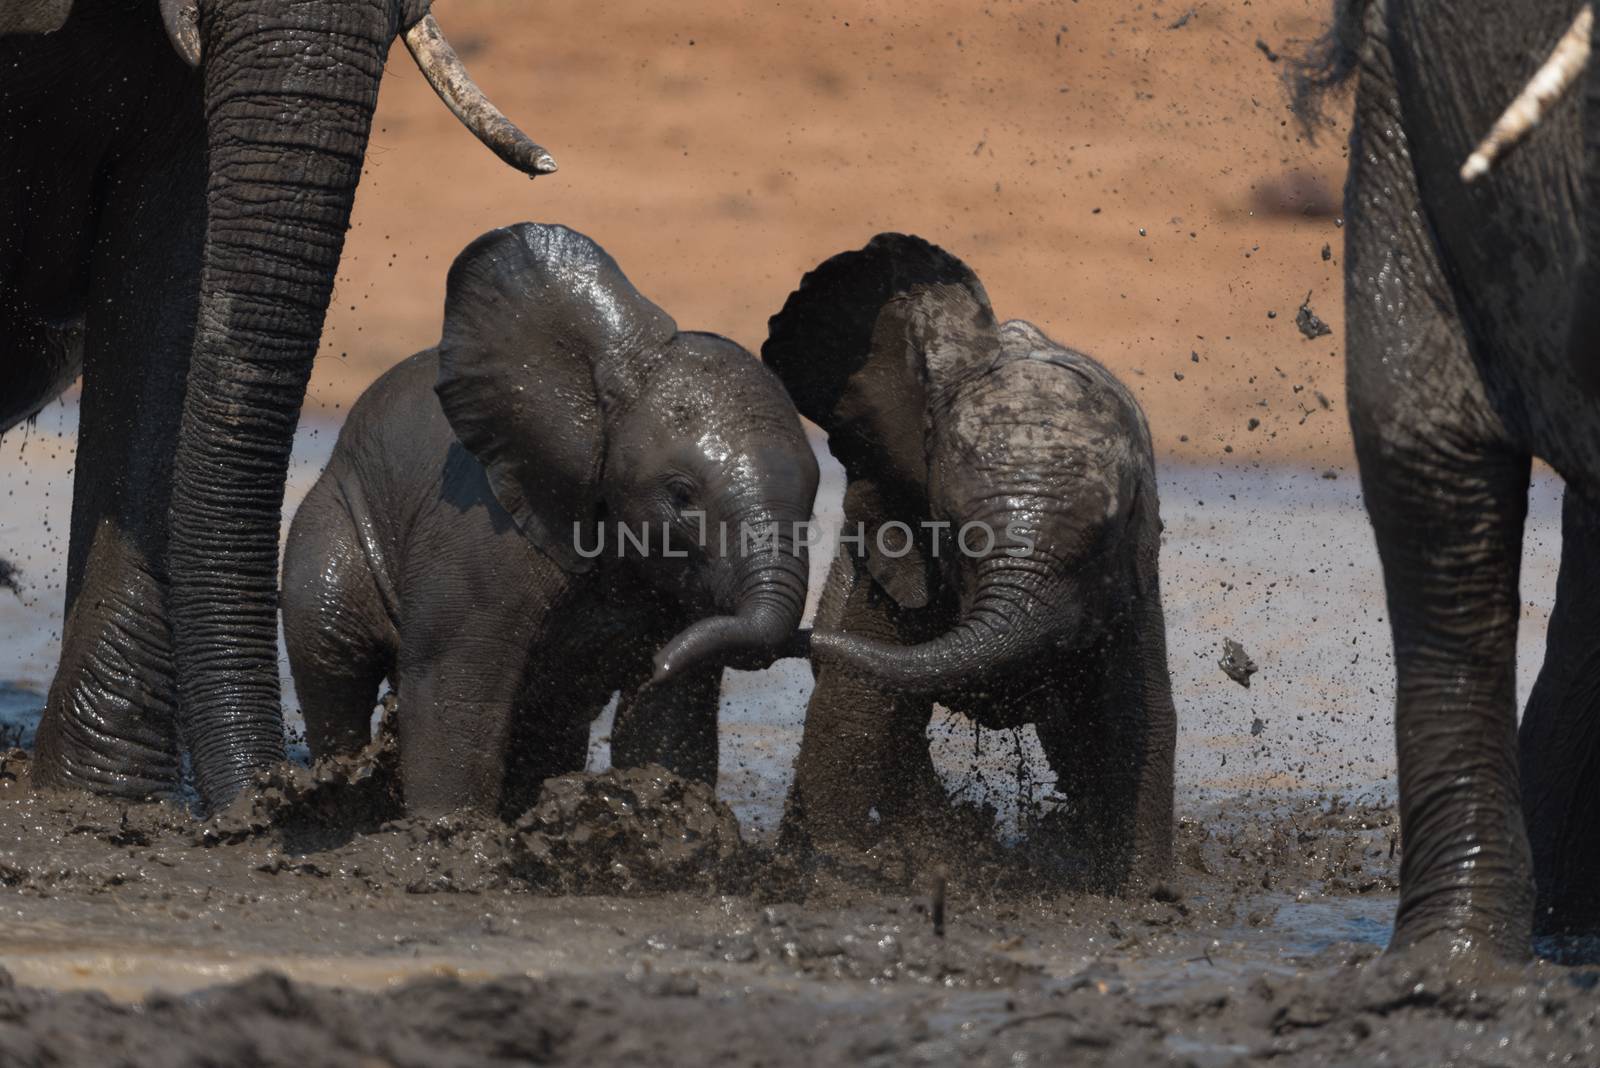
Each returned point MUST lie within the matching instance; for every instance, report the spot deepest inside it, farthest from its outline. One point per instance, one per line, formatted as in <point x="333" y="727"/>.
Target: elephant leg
<point x="852" y="729"/>
<point x="339" y="633"/>
<point x="109" y="722"/>
<point x="547" y="740"/>
<point x="673" y="724"/>
<point x="1450" y="539"/>
<point x="454" y="734"/>
<point x="913" y="797"/>
<point x="462" y="671"/>
<point x="1560" y="736"/>
<point x="1445" y="486"/>
<point x="1111" y="743"/>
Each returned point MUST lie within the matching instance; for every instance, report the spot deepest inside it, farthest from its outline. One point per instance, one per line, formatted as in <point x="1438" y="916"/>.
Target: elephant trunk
<point x="770" y="597"/>
<point x="289" y="95"/>
<point x="1009" y="621"/>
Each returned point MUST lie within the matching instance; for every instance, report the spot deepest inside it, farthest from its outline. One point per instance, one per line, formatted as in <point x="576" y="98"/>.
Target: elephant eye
<point x="680" y="491"/>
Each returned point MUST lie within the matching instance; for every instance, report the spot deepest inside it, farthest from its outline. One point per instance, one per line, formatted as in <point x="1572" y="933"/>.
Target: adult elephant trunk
<point x="290" y="90"/>
<point x="1010" y="621"/>
<point x="769" y="599"/>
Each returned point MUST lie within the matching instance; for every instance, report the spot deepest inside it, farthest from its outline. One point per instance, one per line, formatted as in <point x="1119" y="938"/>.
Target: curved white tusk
<point x="1548" y="85"/>
<point x="182" y="20"/>
<point x="445" y="72"/>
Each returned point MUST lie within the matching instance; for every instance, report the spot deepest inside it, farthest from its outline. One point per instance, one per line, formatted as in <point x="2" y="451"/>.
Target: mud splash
<point x="627" y="831"/>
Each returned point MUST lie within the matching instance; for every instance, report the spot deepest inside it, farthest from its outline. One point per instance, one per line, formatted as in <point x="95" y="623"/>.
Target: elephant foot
<point x="93" y="741"/>
<point x="109" y="722"/>
<point x="1450" y="932"/>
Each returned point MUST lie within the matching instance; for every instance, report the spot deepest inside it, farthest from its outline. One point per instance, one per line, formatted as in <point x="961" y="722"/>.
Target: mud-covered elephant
<point x="514" y="522"/>
<point x="999" y="556"/>
<point x="175" y="185"/>
<point x="1470" y="302"/>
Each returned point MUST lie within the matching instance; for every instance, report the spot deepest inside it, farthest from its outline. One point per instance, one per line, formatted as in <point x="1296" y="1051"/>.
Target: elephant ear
<point x="872" y="340"/>
<point x="872" y="347"/>
<point x="543" y="337"/>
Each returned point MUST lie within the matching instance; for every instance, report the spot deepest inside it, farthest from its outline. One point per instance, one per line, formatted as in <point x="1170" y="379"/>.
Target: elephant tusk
<point x="445" y="72"/>
<point x="182" y="21"/>
<point x="1548" y="85"/>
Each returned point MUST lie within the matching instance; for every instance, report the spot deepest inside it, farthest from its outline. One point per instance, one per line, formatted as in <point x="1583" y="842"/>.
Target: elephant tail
<point x="1327" y="65"/>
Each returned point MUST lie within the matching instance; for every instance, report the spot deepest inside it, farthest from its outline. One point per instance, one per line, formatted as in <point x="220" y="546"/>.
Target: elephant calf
<point x="513" y="521"/>
<point x="1002" y="557"/>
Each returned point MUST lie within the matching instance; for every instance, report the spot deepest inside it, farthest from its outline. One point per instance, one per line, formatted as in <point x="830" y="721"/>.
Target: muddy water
<point x="1260" y="949"/>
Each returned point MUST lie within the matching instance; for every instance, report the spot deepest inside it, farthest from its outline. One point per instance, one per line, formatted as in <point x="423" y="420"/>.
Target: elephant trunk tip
<point x="448" y="77"/>
<point x="734" y="641"/>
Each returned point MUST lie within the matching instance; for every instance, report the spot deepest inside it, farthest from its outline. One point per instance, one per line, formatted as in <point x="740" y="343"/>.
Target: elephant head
<point x="594" y="415"/>
<point x="960" y="429"/>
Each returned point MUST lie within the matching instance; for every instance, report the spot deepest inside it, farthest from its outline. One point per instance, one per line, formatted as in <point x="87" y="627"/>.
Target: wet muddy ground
<point x="639" y="922"/>
<point x="273" y="935"/>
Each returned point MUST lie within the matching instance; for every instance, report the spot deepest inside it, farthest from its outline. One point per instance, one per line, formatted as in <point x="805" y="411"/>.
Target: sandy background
<point x="1127" y="176"/>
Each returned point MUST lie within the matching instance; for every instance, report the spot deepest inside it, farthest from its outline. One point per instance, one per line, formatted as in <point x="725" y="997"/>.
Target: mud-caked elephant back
<point x="871" y="342"/>
<point x="543" y="336"/>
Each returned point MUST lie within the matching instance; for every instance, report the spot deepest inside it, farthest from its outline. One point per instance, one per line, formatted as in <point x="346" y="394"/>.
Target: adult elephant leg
<point x="673" y="724"/>
<point x="1447" y="493"/>
<point x="1449" y="532"/>
<point x="109" y="720"/>
<point x="1560" y="737"/>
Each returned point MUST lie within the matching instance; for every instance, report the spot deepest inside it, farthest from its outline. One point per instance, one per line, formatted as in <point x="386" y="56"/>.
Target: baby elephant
<point x="514" y="521"/>
<point x="999" y="557"/>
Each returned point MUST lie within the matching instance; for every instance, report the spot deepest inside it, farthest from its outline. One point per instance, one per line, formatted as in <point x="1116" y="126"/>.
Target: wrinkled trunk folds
<point x="290" y="89"/>
<point x="770" y="600"/>
<point x="1007" y="624"/>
